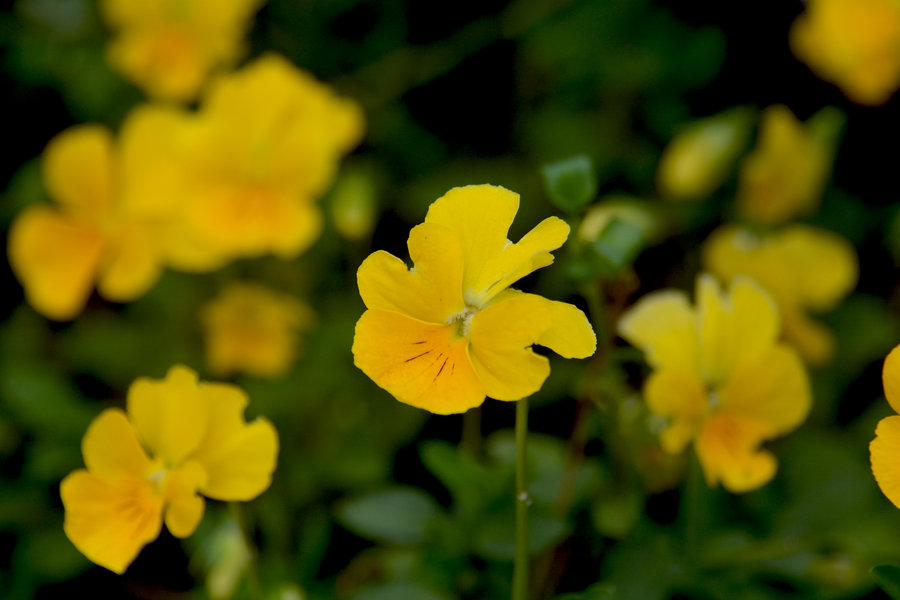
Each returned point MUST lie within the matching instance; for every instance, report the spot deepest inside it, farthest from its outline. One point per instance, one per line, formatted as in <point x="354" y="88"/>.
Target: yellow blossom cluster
<point x="885" y="448"/>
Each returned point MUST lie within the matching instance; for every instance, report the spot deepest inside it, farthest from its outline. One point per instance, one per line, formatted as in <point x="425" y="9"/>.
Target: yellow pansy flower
<point x="178" y="439"/>
<point x="720" y="377"/>
<point x="252" y="329"/>
<point x="168" y="48"/>
<point x="785" y="175"/>
<point x="59" y="252"/>
<point x="884" y="450"/>
<point x="852" y="43"/>
<point x="803" y="268"/>
<point x="450" y="331"/>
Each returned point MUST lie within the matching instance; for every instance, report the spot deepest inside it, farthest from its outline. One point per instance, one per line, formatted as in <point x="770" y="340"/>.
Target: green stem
<point x="520" y="567"/>
<point x="693" y="509"/>
<point x="254" y="587"/>
<point x="471" y="432"/>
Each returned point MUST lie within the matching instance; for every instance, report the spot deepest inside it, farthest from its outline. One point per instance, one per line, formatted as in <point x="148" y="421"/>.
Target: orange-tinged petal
<point x="109" y="521"/>
<point x="238" y="458"/>
<point x="77" y="168"/>
<point x="111" y="449"/>
<point x="663" y="325"/>
<point x="480" y="217"/>
<point x="56" y="260"/>
<point x="728" y="449"/>
<point x="884" y="452"/>
<point x="682" y="397"/>
<point x="431" y="291"/>
<point x="772" y="388"/>
<point x="170" y="416"/>
<point x="890" y="378"/>
<point x="421" y="364"/>
<point x="184" y="507"/>
<point x="131" y="264"/>
<point x="500" y="340"/>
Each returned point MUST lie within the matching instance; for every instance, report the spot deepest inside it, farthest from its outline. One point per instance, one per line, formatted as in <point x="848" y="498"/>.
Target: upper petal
<point x="238" y="457"/>
<point x="884" y="451"/>
<point x="663" y="325"/>
<point x="78" y="170"/>
<point x="421" y="364"/>
<point x="500" y="340"/>
<point x="109" y="521"/>
<point x="728" y="449"/>
<point x="170" y="416"/>
<point x="111" y="449"/>
<point x="431" y="291"/>
<point x="480" y="217"/>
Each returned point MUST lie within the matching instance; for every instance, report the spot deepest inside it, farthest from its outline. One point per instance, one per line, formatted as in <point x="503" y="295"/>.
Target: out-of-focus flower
<point x="884" y="450"/>
<point x="59" y="252"/>
<point x="179" y="439"/>
<point x="720" y="377"/>
<point x="243" y="173"/>
<point x="169" y="48"/>
<point x="353" y="204"/>
<point x="854" y="44"/>
<point x="699" y="159"/>
<point x="803" y="268"/>
<point x="448" y="332"/>
<point x="785" y="175"/>
<point x="252" y="329"/>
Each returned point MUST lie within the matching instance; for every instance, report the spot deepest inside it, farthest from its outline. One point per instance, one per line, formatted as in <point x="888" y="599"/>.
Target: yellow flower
<point x="884" y="450"/>
<point x="448" y="332"/>
<point x="59" y="252"/>
<point x="243" y="173"/>
<point x="785" y="175"/>
<point x="169" y="47"/>
<point x="252" y="329"/>
<point x="178" y="439"/>
<point x="852" y="43"/>
<point x="720" y="377"/>
<point x="803" y="268"/>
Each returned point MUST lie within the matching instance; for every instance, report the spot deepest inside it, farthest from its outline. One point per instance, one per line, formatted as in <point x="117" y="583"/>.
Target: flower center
<point x="462" y="320"/>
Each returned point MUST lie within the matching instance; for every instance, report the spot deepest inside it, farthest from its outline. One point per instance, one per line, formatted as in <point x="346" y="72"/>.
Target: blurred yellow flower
<point x="169" y="48"/>
<point x="252" y="329"/>
<point x="720" y="377"/>
<point x="243" y="173"/>
<point x="58" y="253"/>
<point x="854" y="44"/>
<point x="884" y="450"/>
<point x="448" y="332"/>
<point x="803" y="268"/>
<point x="178" y="439"/>
<point x="785" y="175"/>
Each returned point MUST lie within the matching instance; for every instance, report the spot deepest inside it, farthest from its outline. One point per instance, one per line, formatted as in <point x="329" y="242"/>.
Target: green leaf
<point x="571" y="183"/>
<point x="618" y="245"/>
<point x="888" y="577"/>
<point x="471" y="484"/>
<point x="397" y="515"/>
<point x="399" y="591"/>
<point x="496" y="538"/>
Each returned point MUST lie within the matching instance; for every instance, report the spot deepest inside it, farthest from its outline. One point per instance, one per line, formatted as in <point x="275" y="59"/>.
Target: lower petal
<point x="110" y="521"/>
<point x="421" y="364"/>
<point x="184" y="507"/>
<point x="132" y="265"/>
<point x="681" y="397"/>
<point x="884" y="452"/>
<point x="728" y="449"/>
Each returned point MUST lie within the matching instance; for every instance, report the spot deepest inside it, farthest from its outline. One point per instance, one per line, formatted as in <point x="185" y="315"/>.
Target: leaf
<point x="888" y="577"/>
<point x="471" y="484"/>
<point x="617" y="246"/>
<point x="397" y="515"/>
<point x="496" y="538"/>
<point x="399" y="591"/>
<point x="571" y="183"/>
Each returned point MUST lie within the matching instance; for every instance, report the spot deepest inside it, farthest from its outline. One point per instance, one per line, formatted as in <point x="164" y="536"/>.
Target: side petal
<point x="681" y="397"/>
<point x="111" y="449"/>
<point x="500" y="340"/>
<point x="890" y="378"/>
<point x="109" y="521"/>
<point x="56" y="260"/>
<point x="728" y="449"/>
<point x="237" y="457"/>
<point x="884" y="452"/>
<point x="130" y="266"/>
<point x="431" y="291"/>
<point x="421" y="364"/>
<point x="663" y="325"/>
<point x="570" y="334"/>
<point x="184" y="507"/>
<point x="824" y="265"/>
<point x="772" y="388"/>
<point x="170" y="416"/>
<point x="77" y="169"/>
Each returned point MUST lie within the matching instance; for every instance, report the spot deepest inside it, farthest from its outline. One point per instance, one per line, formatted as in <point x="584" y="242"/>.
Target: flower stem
<point x="520" y="567"/>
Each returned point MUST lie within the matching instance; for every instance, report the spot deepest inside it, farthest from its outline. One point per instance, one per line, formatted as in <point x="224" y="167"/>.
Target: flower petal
<point x="431" y="291"/>
<point x="663" y="325"/>
<point x="814" y="341"/>
<point x="480" y="217"/>
<point x="823" y="264"/>
<point x="170" y="416"/>
<point x="728" y="449"/>
<point x="237" y="457"/>
<point x="77" y="169"/>
<point x="56" y="260"/>
<point x="683" y="398"/>
<point x="499" y="346"/>
<point x="890" y="378"/>
<point x="109" y="521"/>
<point x="111" y="449"/>
<point x="421" y="364"/>
<point x="884" y="451"/>
<point x="184" y="507"/>
<point x="131" y="265"/>
<point x="570" y="334"/>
